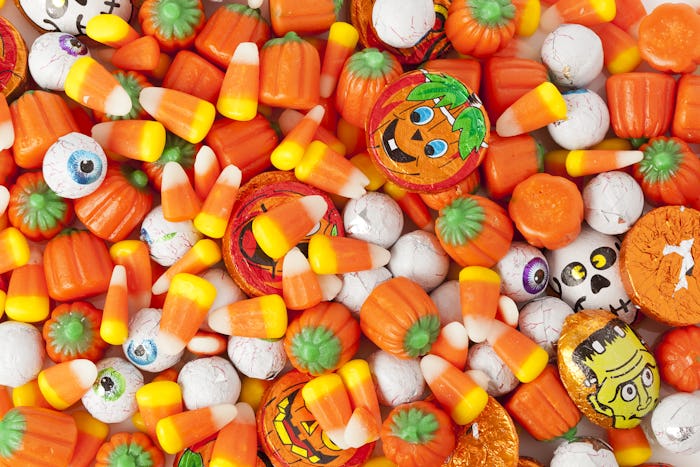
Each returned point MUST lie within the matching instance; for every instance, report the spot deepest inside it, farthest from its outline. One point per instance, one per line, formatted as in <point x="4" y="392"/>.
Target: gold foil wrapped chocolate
<point x="607" y="370"/>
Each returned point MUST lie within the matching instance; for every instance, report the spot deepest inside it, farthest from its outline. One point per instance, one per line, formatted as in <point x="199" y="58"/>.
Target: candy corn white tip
<point x="85" y="372"/>
<point x="550" y="19"/>
<point x="222" y="414"/>
<point x="174" y="176"/>
<point x="295" y="262"/>
<point x="118" y="102"/>
<point x="627" y="158"/>
<point x="7" y="135"/>
<point x="168" y="343"/>
<point x="507" y="125"/>
<point x="246" y="53"/>
<point x="205" y="156"/>
<point x="4" y="199"/>
<point x="161" y="285"/>
<point x="337" y="436"/>
<point x="378" y="255"/>
<point x="231" y="176"/>
<point x="456" y="334"/>
<point x="254" y="4"/>
<point x="480" y="378"/>
<point x="150" y="98"/>
<point x="356" y="433"/>
<point x="100" y="132"/>
<point x="326" y="85"/>
<point x="315" y="206"/>
<point x="478" y="329"/>
<point x="118" y="275"/>
<point x="246" y="414"/>
<point x="219" y="321"/>
<point x="432" y="367"/>
<point x="354" y="187"/>
<point x="508" y="310"/>
<point x="330" y="286"/>
<point x="316" y="113"/>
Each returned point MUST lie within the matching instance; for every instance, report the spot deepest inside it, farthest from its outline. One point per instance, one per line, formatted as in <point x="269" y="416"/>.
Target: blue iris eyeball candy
<point x="74" y="166"/>
<point x="141" y="347"/>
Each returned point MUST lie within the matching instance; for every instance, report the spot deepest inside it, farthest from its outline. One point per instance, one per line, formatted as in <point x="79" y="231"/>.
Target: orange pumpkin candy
<point x="73" y="331"/>
<point x="678" y="356"/>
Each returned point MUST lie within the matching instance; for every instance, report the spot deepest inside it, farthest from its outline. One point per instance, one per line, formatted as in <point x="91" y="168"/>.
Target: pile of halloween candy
<point x="391" y="232"/>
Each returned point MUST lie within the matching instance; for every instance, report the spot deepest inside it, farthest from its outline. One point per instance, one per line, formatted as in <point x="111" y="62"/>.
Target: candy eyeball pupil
<point x="140" y="351"/>
<point x="71" y="45"/>
<point x="421" y="115"/>
<point x="84" y="167"/>
<point x="107" y="384"/>
<point x="143" y="353"/>
<point x="629" y="391"/>
<point x="110" y="384"/>
<point x="535" y="275"/>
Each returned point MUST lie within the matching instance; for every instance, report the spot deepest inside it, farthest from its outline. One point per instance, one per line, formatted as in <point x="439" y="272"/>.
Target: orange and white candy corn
<point x="264" y="317"/>
<point x="15" y="248"/>
<point x="64" y="384"/>
<point x="584" y="12"/>
<point x="7" y="129"/>
<point x="29" y="395"/>
<point x="507" y="311"/>
<point x="326" y="169"/>
<point x="187" y="116"/>
<point x="203" y="254"/>
<point x="114" y="327"/>
<point x="238" y="97"/>
<point x="630" y="445"/>
<point x="357" y="379"/>
<point x="177" y="196"/>
<point x="479" y="291"/>
<point x="534" y="110"/>
<point x="290" y="151"/>
<point x="27" y="297"/>
<point x="340" y="255"/>
<point x="89" y="83"/>
<point x="237" y="443"/>
<point x="461" y="397"/>
<point x="213" y="218"/>
<point x="290" y="118"/>
<point x="186" y="305"/>
<point x="331" y="286"/>
<point x="620" y="51"/>
<point x="523" y="356"/>
<point x="135" y="257"/>
<point x="110" y="30"/>
<point x="327" y="400"/>
<point x="361" y="428"/>
<point x="278" y="230"/>
<point x="581" y="162"/>
<point x="342" y="39"/>
<point x="91" y="434"/>
<point x="300" y="286"/>
<point x="157" y="400"/>
<point x="177" y="432"/>
<point x="140" y="140"/>
<point x="452" y="344"/>
<point x="206" y="171"/>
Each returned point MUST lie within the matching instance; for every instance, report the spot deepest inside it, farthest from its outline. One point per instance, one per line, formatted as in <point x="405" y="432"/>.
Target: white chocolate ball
<point x="112" y="399"/>
<point x="358" y="285"/>
<point x="573" y="54"/>
<point x="208" y="381"/>
<point x="74" y="166"/>
<point x="613" y="201"/>
<point x="397" y="380"/>
<point x="257" y="358"/>
<point x="524" y="272"/>
<point x="587" y="121"/>
<point x="446" y="299"/>
<point x="51" y="56"/>
<point x="674" y="423"/>
<point x="167" y="241"/>
<point x="419" y="256"/>
<point x="141" y="347"/>
<point x="542" y="320"/>
<point x="482" y="357"/>
<point x="21" y="353"/>
<point x="375" y="218"/>
<point x="583" y="452"/>
<point x="402" y="23"/>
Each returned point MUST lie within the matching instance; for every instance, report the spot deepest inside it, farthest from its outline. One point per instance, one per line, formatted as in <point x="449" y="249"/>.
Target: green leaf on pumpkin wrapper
<point x="472" y="127"/>
<point x="190" y="459"/>
<point x="448" y="90"/>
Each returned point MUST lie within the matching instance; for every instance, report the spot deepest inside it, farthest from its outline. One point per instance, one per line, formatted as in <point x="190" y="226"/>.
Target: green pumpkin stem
<point x="40" y="207"/>
<point x="177" y="150"/>
<point x="177" y="18"/>
<point x="130" y="454"/>
<point x="662" y="158"/>
<point x="414" y="426"/>
<point x="317" y="349"/>
<point x="370" y="63"/>
<point x="421" y="335"/>
<point x="71" y="333"/>
<point x="461" y="221"/>
<point x="290" y="36"/>
<point x="492" y="13"/>
<point x="12" y="428"/>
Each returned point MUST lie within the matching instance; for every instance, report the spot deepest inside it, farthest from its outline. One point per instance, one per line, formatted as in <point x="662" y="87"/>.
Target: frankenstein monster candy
<point x="427" y="131"/>
<point x="607" y="370"/>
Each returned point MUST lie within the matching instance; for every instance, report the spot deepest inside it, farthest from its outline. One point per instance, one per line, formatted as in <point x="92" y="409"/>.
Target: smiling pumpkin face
<point x="427" y="131"/>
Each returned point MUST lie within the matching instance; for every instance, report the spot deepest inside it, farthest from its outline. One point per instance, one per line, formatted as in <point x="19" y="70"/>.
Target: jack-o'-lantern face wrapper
<point x="427" y="131"/>
<point x="13" y="61"/>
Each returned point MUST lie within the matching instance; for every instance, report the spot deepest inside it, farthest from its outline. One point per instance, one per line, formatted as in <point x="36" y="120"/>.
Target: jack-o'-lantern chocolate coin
<point x="70" y="16"/>
<point x="290" y="435"/>
<point x="253" y="270"/>
<point x="432" y="44"/>
<point x="658" y="265"/>
<point x="13" y="61"/>
<point x="427" y="131"/>
<point x="491" y="440"/>
<point x="607" y="369"/>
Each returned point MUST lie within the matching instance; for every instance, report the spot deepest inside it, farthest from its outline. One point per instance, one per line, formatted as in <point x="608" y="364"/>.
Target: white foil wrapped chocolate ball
<point x="573" y="54"/>
<point x="257" y="358"/>
<point x="446" y="299"/>
<point x="358" y="285"/>
<point x="208" y="381"/>
<point x="397" y="380"/>
<point x="483" y="357"/>
<point x="583" y="452"/>
<point x="21" y="353"/>
<point x="613" y="201"/>
<point x="112" y="399"/>
<point x="587" y="120"/>
<point x="51" y="56"/>
<point x="524" y="272"/>
<point x="674" y="423"/>
<point x="141" y="347"/>
<point x="419" y="256"/>
<point x="373" y="217"/>
<point x="542" y="320"/>
<point x="402" y="23"/>
<point x="167" y="241"/>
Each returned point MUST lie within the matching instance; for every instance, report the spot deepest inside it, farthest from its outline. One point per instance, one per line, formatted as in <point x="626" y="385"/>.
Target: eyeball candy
<point x="587" y="120"/>
<point x="208" y="381"/>
<point x="167" y="241"/>
<point x="573" y="54"/>
<point x="524" y="272"/>
<point x="74" y="166"/>
<point x="398" y="380"/>
<point x="483" y="357"/>
<point x="71" y="16"/>
<point x="358" y="285"/>
<point x="613" y="201"/>
<point x="542" y="320"/>
<point x="402" y="23"/>
<point x="112" y="399"/>
<point x="51" y="56"/>
<point x="446" y="299"/>
<point x="586" y="274"/>
<point x="674" y="423"/>
<point x="21" y="353"/>
<point x="419" y="256"/>
<point x="583" y="452"/>
<point x="257" y="358"/>
<point x="375" y="218"/>
<point x="141" y="347"/>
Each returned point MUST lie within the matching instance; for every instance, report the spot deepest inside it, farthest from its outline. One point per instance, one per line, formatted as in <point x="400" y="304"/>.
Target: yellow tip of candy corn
<point x="287" y="155"/>
<point x="554" y="101"/>
<point x="344" y="34"/>
<point x="633" y="455"/>
<point x="319" y="387"/>
<point x="606" y="9"/>
<point x="28" y="309"/>
<point x="532" y="366"/>
<point x="480" y="274"/>
<point x="275" y="315"/>
<point x="322" y="257"/>
<point x="471" y="405"/>
<point x="114" y="332"/>
<point x="199" y="290"/>
<point x="529" y="18"/>
<point x="107" y="28"/>
<point x="625" y="61"/>
<point x="14" y="242"/>
<point x="168" y="436"/>
<point x="210" y="225"/>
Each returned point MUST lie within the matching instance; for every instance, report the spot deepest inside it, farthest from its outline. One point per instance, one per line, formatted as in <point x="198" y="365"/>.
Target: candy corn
<point x="7" y="130"/>
<point x="177" y="196"/>
<point x="142" y="54"/>
<point x="327" y="400"/>
<point x="27" y="295"/>
<point x="326" y="169"/>
<point x="594" y="161"/>
<point x="479" y="291"/>
<point x="178" y="431"/>
<point x="290" y="118"/>
<point x="187" y="116"/>
<point x="110" y="30"/>
<point x="4" y="199"/>
<point x="462" y="398"/>
<point x="158" y="400"/>
<point x="238" y="97"/>
<point x="330" y="286"/>
<point x="620" y="51"/>
<point x="90" y="84"/>
<point x="628" y="15"/>
<point x="134" y="256"/>
<point x="237" y="443"/>
<point x="529" y="19"/>
<point x="290" y="151"/>
<point x="91" y="434"/>
<point x="507" y="311"/>
<point x="141" y="140"/>
<point x="114" y="327"/>
<point x="15" y="249"/>
<point x="203" y="254"/>
<point x="300" y="286"/>
<point x="630" y="446"/>
<point x="342" y="39"/>
<point x="278" y="230"/>
<point x="534" y="110"/>
<point x="357" y="380"/>
<point x="524" y="358"/>
<point x="264" y="317"/>
<point x="452" y="344"/>
<point x="584" y="12"/>
<point x="63" y="384"/>
<point x="186" y="305"/>
<point x="213" y="218"/>
<point x="339" y="255"/>
<point x="206" y="171"/>
<point x="411" y="204"/>
<point x="361" y="429"/>
<point x="30" y="395"/>
<point x="376" y="178"/>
